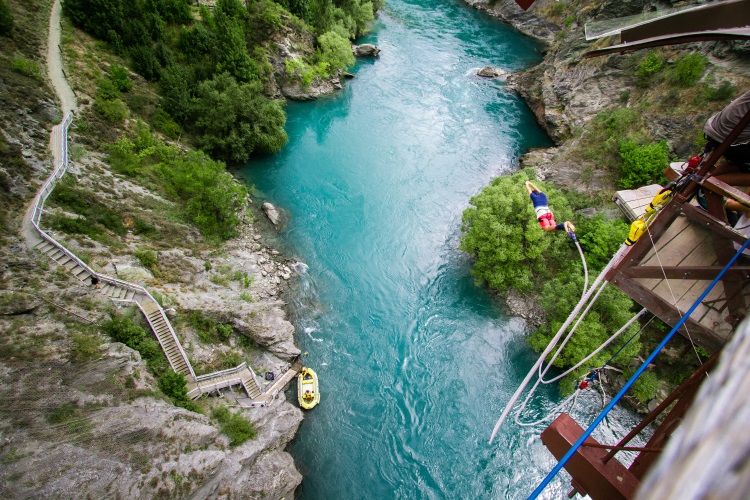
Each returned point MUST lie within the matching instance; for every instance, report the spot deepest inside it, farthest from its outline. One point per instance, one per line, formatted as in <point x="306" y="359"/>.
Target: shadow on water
<point x="415" y="361"/>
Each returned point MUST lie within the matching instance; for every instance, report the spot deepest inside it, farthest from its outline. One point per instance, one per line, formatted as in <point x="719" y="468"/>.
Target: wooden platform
<point x="688" y="247"/>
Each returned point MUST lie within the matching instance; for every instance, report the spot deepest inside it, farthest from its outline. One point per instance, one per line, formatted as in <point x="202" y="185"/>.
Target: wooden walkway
<point x="687" y="246"/>
<point x="278" y="386"/>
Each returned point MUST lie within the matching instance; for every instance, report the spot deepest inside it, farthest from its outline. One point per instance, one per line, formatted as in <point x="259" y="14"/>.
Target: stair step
<point x="55" y="253"/>
<point x="44" y="245"/>
<point x="71" y="264"/>
<point x="130" y="294"/>
<point x="78" y="271"/>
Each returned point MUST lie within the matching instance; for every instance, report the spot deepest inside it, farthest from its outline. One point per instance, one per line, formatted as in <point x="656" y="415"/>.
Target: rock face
<point x="525" y="22"/>
<point x="490" y="72"/>
<point x="272" y="213"/>
<point x="365" y="50"/>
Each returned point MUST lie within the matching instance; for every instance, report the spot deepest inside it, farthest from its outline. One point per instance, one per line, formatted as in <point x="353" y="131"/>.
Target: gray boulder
<point x="490" y="72"/>
<point x="365" y="50"/>
<point x="272" y="213"/>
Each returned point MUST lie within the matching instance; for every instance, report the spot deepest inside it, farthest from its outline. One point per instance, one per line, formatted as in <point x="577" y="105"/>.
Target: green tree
<point x="600" y="239"/>
<point x="234" y="120"/>
<point x="6" y="18"/>
<point x="688" y="69"/>
<point x="642" y="163"/>
<point x="501" y="233"/>
<point x="335" y="51"/>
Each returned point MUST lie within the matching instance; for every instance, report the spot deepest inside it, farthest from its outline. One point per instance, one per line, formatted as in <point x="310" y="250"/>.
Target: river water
<point x="415" y="361"/>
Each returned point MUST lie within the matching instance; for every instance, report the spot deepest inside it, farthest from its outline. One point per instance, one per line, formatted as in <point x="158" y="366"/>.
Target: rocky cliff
<point x="81" y="415"/>
<point x="566" y="92"/>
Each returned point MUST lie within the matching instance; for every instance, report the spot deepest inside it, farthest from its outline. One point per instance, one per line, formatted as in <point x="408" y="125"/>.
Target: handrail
<point x="228" y="371"/>
<point x="36" y="217"/>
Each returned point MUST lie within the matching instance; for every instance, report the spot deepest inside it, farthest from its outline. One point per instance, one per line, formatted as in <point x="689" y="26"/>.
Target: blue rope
<point x="564" y="460"/>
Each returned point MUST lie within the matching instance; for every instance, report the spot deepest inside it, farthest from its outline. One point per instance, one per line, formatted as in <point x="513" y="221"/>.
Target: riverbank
<point x="83" y="413"/>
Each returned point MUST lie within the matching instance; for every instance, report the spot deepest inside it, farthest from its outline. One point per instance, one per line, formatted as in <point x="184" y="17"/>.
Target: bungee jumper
<point x="543" y="213"/>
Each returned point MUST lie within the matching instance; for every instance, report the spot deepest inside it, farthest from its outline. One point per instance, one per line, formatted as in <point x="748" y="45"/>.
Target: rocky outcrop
<point x="365" y="50"/>
<point x="490" y="72"/>
<point x="296" y="91"/>
<point x="272" y="213"/>
<point x="526" y="22"/>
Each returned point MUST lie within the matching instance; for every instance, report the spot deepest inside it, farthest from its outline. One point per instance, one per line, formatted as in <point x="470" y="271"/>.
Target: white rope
<point x="587" y="294"/>
<point x="554" y="411"/>
<point x="543" y="372"/>
<point x="598" y="349"/>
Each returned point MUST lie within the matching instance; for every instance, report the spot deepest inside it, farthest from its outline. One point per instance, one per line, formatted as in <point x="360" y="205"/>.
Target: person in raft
<point x="543" y="213"/>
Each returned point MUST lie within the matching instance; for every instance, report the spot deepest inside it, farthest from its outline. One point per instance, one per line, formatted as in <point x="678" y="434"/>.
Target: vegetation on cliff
<point x="213" y="65"/>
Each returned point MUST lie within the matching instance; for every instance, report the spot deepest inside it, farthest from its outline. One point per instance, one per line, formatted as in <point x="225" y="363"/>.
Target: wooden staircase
<point x="122" y="291"/>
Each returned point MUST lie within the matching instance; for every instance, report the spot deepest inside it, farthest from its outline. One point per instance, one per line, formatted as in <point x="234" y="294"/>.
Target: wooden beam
<point x="736" y="273"/>
<point x="724" y="189"/>
<point x="710" y="222"/>
<point x="665" y="311"/>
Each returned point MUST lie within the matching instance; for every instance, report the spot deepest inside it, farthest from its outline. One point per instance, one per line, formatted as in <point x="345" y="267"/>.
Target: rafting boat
<point x="308" y="393"/>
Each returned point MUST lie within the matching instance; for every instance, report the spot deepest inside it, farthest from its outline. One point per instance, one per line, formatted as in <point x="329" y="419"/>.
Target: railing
<point x="36" y="217"/>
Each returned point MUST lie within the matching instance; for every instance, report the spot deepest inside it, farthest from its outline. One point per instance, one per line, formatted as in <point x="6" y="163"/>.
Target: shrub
<point x="6" y="18"/>
<point x="335" y="51"/>
<point x="651" y="64"/>
<point x="174" y="385"/>
<point x="642" y="164"/>
<point x="84" y="347"/>
<point x="26" y="67"/>
<point x="146" y="257"/>
<point x="600" y="238"/>
<point x="165" y="124"/>
<point x="688" y="69"/>
<point x="500" y="232"/>
<point x="123" y="329"/>
<point x="115" y="110"/>
<point x="208" y="329"/>
<point x="119" y="76"/>
<point x="606" y="130"/>
<point x="723" y="92"/>
<point x="645" y="388"/>
<point x="234" y="426"/>
<point x="234" y="119"/>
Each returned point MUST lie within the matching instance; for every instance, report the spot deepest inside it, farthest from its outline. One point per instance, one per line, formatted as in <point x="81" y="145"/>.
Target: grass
<point x="26" y="67"/>
<point x="85" y="347"/>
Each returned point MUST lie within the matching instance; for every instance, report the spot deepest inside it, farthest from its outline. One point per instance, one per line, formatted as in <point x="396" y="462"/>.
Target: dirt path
<point x="67" y="101"/>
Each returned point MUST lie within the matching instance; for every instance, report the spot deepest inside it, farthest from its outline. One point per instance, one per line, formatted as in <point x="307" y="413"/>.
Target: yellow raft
<point x="308" y="393"/>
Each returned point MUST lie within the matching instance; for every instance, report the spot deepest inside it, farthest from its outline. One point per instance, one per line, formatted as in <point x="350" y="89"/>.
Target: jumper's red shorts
<point x="547" y="221"/>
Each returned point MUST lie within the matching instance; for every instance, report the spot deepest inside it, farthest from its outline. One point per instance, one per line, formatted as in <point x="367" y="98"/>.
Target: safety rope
<point x="585" y="435"/>
<point x="585" y="297"/>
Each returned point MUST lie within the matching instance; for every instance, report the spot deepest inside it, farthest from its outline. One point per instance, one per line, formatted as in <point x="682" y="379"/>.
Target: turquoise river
<point x="415" y="361"/>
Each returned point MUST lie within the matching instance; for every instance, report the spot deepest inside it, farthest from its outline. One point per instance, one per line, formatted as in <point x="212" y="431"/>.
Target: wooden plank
<point x="664" y="310"/>
<point x="712" y="223"/>
<point x="724" y="189"/>
<point x="737" y="273"/>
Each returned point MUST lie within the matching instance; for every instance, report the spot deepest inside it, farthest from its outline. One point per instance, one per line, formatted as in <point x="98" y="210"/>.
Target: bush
<point x="210" y="197"/>
<point x="26" y="67"/>
<point x="501" y="233"/>
<point x="600" y="238"/>
<point x="165" y="124"/>
<point x="688" y="69"/>
<point x="6" y="18"/>
<point x="146" y="257"/>
<point x="84" y="347"/>
<point x="234" y="426"/>
<point x="605" y="133"/>
<point x="335" y="51"/>
<point x="123" y="329"/>
<point x="115" y="110"/>
<point x="208" y="329"/>
<point x="120" y="78"/>
<point x="642" y="164"/>
<point x="651" y="64"/>
<point x="645" y="388"/>
<point x="723" y="92"/>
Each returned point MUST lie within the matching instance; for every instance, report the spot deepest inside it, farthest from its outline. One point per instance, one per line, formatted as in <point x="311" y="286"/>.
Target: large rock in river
<point x="272" y="213"/>
<point x="365" y="50"/>
<point x="490" y="72"/>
